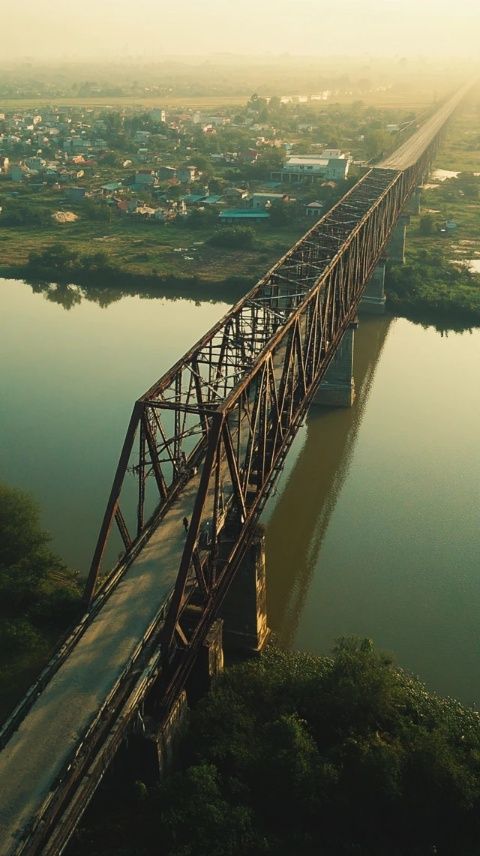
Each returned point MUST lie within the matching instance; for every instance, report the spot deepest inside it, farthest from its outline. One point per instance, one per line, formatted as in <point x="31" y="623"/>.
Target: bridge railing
<point x="171" y="422"/>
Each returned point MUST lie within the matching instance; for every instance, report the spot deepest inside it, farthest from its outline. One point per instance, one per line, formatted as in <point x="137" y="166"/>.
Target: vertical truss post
<point x="192" y="534"/>
<point x="91" y="583"/>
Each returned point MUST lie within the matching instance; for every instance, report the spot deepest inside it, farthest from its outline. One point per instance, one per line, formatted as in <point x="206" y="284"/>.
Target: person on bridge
<point x="185" y="523"/>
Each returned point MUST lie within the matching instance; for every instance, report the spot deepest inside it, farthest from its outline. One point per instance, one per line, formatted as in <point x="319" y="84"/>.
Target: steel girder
<point x="226" y="413"/>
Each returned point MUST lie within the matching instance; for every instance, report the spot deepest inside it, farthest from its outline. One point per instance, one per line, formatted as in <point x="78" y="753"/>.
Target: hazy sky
<point x="111" y="28"/>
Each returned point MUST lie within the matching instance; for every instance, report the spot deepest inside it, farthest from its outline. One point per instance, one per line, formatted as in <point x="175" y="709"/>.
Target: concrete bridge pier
<point x="244" y="611"/>
<point x="150" y="749"/>
<point x="337" y="389"/>
<point x="373" y="300"/>
<point x="396" y="245"/>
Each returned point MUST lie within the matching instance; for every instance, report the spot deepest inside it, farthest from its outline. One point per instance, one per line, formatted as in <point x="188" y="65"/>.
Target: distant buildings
<point x="243" y="215"/>
<point x="331" y="164"/>
<point x="314" y="210"/>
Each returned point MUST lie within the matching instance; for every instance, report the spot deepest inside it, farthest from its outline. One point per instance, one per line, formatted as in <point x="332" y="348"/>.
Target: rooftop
<point x="244" y="214"/>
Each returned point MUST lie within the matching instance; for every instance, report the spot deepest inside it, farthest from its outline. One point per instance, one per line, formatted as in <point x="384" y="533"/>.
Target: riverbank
<point x="40" y="596"/>
<point x="431" y="289"/>
<point x="105" y="285"/>
<point x="292" y="753"/>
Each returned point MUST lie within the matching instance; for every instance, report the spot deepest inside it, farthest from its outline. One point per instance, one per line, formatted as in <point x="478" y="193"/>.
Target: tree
<point x="24" y="214"/>
<point x="22" y="536"/>
<point x="280" y="213"/>
<point x="427" y="225"/>
<point x="55" y="257"/>
<point x="294" y="754"/>
<point x="36" y="588"/>
<point x="376" y="142"/>
<point x="236" y="237"/>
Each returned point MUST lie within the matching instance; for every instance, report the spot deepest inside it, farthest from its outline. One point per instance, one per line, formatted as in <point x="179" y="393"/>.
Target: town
<point x="248" y="177"/>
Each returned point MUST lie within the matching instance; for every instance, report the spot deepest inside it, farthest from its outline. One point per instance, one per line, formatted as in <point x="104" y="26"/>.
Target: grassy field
<point x="153" y="249"/>
<point x="199" y="102"/>
<point x="179" y="250"/>
<point x="411" y="99"/>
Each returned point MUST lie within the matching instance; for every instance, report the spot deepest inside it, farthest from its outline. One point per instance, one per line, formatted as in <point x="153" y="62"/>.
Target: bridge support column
<point x="149" y="750"/>
<point x="373" y="300"/>
<point x="396" y="245"/>
<point x="209" y="663"/>
<point x="244" y="611"/>
<point x="337" y="389"/>
<point x="415" y="204"/>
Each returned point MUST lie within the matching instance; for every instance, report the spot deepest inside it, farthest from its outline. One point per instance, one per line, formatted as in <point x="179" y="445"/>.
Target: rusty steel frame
<point x="226" y="415"/>
<point x="230" y="407"/>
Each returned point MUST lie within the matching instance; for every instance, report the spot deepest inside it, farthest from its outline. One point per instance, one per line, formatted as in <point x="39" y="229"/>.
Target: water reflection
<point x="69" y="380"/>
<point x="302" y="513"/>
<point x="69" y="295"/>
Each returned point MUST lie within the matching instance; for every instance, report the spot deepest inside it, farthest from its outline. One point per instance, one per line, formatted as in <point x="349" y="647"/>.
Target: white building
<point x="331" y="164"/>
<point x="264" y="200"/>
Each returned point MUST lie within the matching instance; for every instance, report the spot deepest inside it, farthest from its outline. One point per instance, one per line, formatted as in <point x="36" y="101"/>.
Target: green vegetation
<point x="432" y="288"/>
<point x="436" y="285"/>
<point x="39" y="596"/>
<point x="295" y="754"/>
<point x="155" y="251"/>
<point x="238" y="237"/>
<point x="221" y="80"/>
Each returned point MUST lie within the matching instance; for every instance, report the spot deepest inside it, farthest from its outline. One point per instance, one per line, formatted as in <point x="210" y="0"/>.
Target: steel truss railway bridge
<point x="202" y="451"/>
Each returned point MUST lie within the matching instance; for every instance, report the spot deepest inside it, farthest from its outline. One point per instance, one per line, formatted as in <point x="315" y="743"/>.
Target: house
<point x="235" y="194"/>
<point x="264" y="200"/>
<point x="330" y="164"/>
<point x="243" y="215"/>
<point x="212" y="199"/>
<point x="141" y="137"/>
<point x="193" y="198"/>
<point x="186" y="174"/>
<point x="111" y="187"/>
<point x="166" y="172"/>
<point x="314" y="209"/>
<point x="144" y="178"/>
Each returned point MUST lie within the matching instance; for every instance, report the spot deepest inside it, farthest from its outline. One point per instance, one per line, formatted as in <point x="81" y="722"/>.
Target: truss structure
<point x="226" y="413"/>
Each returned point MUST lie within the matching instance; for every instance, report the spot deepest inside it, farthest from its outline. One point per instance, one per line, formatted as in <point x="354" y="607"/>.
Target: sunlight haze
<point x="108" y="29"/>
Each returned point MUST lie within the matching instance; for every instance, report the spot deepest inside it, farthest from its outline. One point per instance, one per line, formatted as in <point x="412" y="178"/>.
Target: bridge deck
<point x="409" y="152"/>
<point x="45" y="741"/>
<point x="37" y="752"/>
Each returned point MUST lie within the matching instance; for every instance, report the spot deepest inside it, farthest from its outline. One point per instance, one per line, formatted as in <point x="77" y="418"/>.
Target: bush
<point x="234" y="237"/>
<point x="294" y="754"/>
<point x="37" y="591"/>
<point x="23" y="214"/>
<point x="427" y="225"/>
<point x="434" y="289"/>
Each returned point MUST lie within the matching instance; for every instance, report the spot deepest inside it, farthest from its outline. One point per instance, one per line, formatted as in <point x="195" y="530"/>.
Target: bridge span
<point x="202" y="451"/>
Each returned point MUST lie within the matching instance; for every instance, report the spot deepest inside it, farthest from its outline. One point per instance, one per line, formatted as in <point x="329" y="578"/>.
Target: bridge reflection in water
<point x="207" y="441"/>
<point x="296" y="526"/>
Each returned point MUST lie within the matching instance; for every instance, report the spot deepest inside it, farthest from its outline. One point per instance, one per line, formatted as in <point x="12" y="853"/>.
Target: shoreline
<point x="228" y="290"/>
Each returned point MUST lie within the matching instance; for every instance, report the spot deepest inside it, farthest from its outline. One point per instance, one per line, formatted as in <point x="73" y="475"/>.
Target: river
<point x="374" y="526"/>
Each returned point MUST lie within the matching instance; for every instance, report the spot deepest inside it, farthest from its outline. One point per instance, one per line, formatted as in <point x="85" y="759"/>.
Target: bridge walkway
<point x="46" y="741"/>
